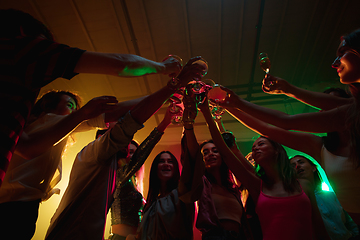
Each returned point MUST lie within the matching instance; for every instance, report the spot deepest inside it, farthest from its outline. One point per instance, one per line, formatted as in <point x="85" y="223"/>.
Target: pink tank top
<point x="284" y="218"/>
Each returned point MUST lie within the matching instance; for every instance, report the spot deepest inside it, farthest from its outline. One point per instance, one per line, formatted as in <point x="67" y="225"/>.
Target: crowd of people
<point x="232" y="198"/>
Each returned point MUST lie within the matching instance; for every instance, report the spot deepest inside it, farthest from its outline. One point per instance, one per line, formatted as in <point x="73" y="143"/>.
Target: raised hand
<point x="190" y="71"/>
<point x="172" y="66"/>
<point x="274" y="85"/>
<point x="231" y="98"/>
<point x="97" y="106"/>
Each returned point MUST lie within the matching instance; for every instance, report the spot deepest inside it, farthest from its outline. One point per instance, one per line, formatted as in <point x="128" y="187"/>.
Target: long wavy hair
<point x="286" y="172"/>
<point x="226" y="176"/>
<point x="154" y="181"/>
<point x="353" y="116"/>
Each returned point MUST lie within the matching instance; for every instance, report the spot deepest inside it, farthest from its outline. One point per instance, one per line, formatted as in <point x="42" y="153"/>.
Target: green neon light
<point x="127" y="71"/>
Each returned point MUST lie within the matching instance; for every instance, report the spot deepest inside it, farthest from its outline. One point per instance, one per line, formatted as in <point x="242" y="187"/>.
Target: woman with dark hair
<point x="221" y="214"/>
<point x="35" y="168"/>
<point x="337" y="221"/>
<point x="170" y="204"/>
<point x="341" y="163"/>
<point x="286" y="207"/>
<point x="164" y="177"/>
<point x="128" y="199"/>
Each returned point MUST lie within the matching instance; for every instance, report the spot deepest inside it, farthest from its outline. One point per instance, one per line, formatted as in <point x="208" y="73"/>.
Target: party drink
<point x="177" y="58"/>
<point x="204" y="65"/>
<point x="265" y="63"/>
<point x="216" y="94"/>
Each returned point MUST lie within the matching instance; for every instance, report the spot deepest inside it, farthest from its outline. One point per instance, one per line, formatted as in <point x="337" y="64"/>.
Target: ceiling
<point x="300" y="37"/>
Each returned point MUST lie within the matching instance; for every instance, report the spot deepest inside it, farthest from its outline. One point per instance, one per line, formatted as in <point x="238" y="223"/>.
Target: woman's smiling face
<point x="165" y="167"/>
<point x="347" y="64"/>
<point x="211" y="155"/>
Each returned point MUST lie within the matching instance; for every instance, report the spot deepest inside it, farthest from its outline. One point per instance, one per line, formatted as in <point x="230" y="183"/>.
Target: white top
<point x="28" y="180"/>
<point x="344" y="179"/>
<point x="83" y="208"/>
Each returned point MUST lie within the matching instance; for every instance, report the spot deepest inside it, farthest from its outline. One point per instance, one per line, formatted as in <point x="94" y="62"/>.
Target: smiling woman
<point x="169" y="210"/>
<point x="341" y="162"/>
<point x="222" y="194"/>
<point x="165" y="169"/>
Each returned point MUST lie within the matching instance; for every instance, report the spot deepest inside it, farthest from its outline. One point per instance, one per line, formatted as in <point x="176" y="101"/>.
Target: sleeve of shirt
<point x="41" y="61"/>
<point x="98" y="122"/>
<point x="103" y="148"/>
<point x="139" y="157"/>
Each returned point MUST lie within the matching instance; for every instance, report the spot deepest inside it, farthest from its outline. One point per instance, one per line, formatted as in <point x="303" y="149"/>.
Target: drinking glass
<point x="265" y="63"/>
<point x="216" y="95"/>
<point x="177" y="58"/>
<point x="176" y="108"/>
<point x="197" y="85"/>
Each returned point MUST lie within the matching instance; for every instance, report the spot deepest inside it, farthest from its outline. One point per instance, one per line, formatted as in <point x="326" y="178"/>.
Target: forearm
<point x="223" y="148"/>
<point x="125" y="65"/>
<point x="164" y="123"/>
<point x="121" y="109"/>
<point x="190" y="185"/>
<point x="318" y="100"/>
<point x="220" y="125"/>
<point x="149" y="105"/>
<point x="304" y="142"/>
<point x="327" y="121"/>
<point x="191" y="142"/>
<point x="35" y="143"/>
<point x="272" y="116"/>
<point x="141" y="154"/>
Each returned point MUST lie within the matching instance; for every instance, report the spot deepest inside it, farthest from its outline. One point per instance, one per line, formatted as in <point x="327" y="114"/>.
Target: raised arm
<point x="327" y="121"/>
<point x="148" y="106"/>
<point x="144" y="150"/>
<point x="324" y="101"/>
<point x="124" y="65"/>
<point x="304" y="142"/>
<point x="32" y="143"/>
<point x="240" y="167"/>
<point x="189" y="115"/>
